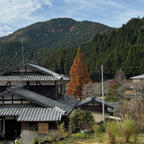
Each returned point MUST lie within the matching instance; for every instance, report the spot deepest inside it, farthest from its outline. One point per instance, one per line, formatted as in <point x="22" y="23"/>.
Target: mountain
<point x="44" y="37"/>
<point x="120" y="48"/>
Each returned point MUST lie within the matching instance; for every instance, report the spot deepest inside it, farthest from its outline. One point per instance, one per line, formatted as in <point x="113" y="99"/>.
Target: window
<point x="52" y="126"/>
<point x="33" y="126"/>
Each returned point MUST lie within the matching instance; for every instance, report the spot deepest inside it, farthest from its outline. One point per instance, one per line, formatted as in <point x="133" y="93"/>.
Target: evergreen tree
<point x="79" y="76"/>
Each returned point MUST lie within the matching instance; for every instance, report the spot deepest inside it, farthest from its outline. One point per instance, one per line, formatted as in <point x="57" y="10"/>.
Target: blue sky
<point x="15" y="14"/>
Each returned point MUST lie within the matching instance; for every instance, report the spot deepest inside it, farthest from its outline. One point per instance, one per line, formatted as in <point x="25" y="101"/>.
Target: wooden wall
<point x="25" y="126"/>
<point x="43" y="128"/>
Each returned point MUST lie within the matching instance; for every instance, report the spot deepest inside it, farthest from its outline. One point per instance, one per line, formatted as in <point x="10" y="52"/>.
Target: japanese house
<point x="94" y="105"/>
<point x="32" y="98"/>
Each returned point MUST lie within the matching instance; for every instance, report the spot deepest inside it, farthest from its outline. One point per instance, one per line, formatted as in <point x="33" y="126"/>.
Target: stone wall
<point x="27" y="136"/>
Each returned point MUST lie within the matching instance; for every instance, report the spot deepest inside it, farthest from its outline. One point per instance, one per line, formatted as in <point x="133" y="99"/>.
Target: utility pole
<point x="102" y="93"/>
<point x="22" y="54"/>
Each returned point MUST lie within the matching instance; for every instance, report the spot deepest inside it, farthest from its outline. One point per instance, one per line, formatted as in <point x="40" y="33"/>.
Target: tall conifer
<point x="79" y="76"/>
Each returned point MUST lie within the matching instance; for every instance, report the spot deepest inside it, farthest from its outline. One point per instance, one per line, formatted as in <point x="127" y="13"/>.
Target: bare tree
<point x="88" y="90"/>
<point x="133" y="109"/>
<point x="120" y="75"/>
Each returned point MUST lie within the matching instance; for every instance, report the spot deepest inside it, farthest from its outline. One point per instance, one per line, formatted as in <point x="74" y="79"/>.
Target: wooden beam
<point x="56" y="89"/>
<point x="61" y="86"/>
<point x="12" y="99"/>
<point x="38" y="83"/>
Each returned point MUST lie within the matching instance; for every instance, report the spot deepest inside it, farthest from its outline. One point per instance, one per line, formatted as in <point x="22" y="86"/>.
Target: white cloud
<point x="19" y="13"/>
<point x="110" y="12"/>
<point x="126" y="15"/>
<point x="6" y="29"/>
<point x="96" y="4"/>
<point x="47" y="2"/>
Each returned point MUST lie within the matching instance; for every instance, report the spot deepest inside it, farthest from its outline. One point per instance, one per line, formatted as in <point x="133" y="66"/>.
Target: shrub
<point x="81" y="120"/>
<point x="129" y="129"/>
<point x="3" y="142"/>
<point x="99" y="130"/>
<point x="70" y="128"/>
<point x="111" y="130"/>
<point x="61" y="131"/>
<point x="17" y="142"/>
<point x="113" y="95"/>
<point x="133" y="109"/>
<point x="36" y="141"/>
<point x="79" y="135"/>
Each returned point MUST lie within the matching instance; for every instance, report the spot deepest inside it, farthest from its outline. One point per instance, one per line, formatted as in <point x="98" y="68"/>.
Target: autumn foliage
<point x="79" y="76"/>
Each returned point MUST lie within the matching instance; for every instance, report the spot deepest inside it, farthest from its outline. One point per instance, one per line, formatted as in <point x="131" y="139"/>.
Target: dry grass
<point x="92" y="139"/>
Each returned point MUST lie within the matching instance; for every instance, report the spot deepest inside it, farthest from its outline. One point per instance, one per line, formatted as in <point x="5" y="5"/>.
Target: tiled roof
<point x="31" y="113"/>
<point x="87" y="100"/>
<point x="34" y="97"/>
<point x="47" y="71"/>
<point x="28" y="78"/>
<point x="138" y="77"/>
<point x="65" y="103"/>
<point x="41" y="114"/>
<point x="39" y="68"/>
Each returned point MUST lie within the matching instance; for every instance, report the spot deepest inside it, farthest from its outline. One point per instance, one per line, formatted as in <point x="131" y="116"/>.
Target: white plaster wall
<point x="98" y="117"/>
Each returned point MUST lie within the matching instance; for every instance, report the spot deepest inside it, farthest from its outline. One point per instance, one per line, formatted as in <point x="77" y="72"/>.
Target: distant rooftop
<point x="138" y="77"/>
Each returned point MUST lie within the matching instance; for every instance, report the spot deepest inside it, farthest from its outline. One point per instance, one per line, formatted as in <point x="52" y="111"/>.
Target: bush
<point x="129" y="129"/>
<point x="61" y="131"/>
<point x="80" y="135"/>
<point x="17" y="142"/>
<point x="36" y="141"/>
<point x="81" y="120"/>
<point x="111" y="130"/>
<point x="99" y="130"/>
<point x="133" y="109"/>
<point x="113" y="94"/>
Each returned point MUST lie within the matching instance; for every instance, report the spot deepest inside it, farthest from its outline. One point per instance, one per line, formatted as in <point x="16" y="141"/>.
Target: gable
<point x="9" y="98"/>
<point x="32" y="69"/>
<point x="22" y="69"/>
<point x="94" y="101"/>
<point x="28" y="74"/>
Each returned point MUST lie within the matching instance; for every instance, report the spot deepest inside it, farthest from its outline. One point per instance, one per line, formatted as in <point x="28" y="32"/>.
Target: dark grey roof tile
<point x="47" y="71"/>
<point x="28" y="78"/>
<point x="87" y="100"/>
<point x="31" y="113"/>
<point x="66" y="104"/>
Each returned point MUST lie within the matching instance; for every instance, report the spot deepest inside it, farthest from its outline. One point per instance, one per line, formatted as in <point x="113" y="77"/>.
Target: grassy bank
<point x="94" y="139"/>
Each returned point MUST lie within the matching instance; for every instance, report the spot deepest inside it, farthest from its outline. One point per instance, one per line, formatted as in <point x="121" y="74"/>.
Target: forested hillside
<point x="121" y="48"/>
<point x="118" y="48"/>
<point x="44" y="37"/>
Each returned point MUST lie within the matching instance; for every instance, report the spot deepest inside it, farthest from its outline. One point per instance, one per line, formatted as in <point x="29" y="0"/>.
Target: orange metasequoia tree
<point x="79" y="76"/>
